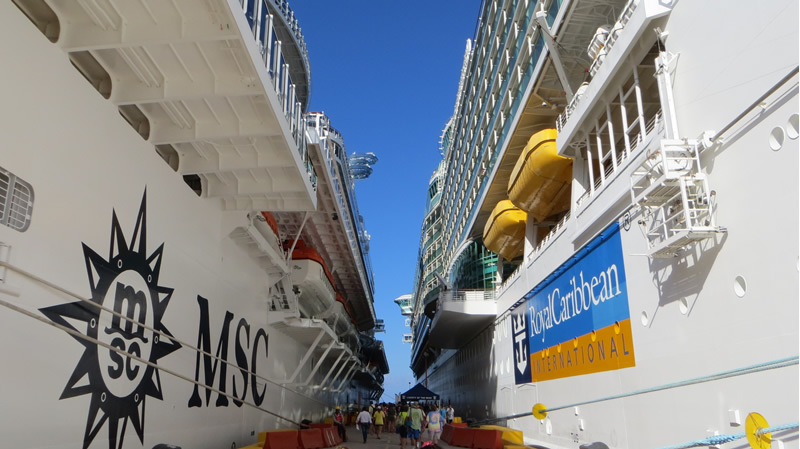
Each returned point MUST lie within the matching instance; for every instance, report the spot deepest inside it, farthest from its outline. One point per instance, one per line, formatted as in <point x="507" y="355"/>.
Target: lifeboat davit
<point x="540" y="182"/>
<point x="504" y="232"/>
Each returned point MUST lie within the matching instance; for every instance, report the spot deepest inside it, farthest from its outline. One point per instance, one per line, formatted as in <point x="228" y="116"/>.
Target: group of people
<point x="407" y="420"/>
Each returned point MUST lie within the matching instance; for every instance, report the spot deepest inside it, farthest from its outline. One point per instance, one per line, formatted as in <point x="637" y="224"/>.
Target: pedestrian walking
<point x="415" y="418"/>
<point x="378" y="418"/>
<point x="434" y="424"/>
<point x="363" y="421"/>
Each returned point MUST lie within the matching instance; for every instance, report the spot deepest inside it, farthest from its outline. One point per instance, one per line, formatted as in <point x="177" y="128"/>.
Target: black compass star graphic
<point x="126" y="283"/>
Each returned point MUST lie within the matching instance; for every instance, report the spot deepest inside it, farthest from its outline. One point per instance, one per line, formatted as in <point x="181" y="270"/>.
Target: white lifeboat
<point x="313" y="281"/>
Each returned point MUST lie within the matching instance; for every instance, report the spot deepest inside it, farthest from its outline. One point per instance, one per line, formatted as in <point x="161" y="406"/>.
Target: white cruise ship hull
<point x="104" y="201"/>
<point x="678" y="343"/>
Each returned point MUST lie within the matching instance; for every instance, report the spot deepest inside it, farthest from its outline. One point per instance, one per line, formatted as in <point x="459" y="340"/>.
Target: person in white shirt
<point x="363" y="421"/>
<point x="450" y="414"/>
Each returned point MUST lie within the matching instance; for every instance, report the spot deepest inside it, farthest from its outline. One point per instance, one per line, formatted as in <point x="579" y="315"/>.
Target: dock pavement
<point x="388" y="440"/>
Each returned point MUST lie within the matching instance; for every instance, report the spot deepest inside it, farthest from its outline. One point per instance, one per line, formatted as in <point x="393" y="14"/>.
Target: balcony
<point x="460" y="315"/>
<point x="209" y="85"/>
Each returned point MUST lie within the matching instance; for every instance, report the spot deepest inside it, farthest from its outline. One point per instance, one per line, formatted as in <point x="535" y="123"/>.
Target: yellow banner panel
<point x="606" y="349"/>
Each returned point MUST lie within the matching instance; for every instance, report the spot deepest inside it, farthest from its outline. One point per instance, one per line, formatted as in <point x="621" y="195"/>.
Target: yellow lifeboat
<point x="504" y="232"/>
<point x="540" y="182"/>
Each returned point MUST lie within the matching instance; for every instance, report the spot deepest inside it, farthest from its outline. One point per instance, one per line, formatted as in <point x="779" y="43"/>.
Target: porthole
<point x="740" y="286"/>
<point x="776" y="138"/>
<point x="793" y="127"/>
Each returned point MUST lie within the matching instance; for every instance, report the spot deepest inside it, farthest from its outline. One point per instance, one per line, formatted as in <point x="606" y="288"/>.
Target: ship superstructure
<point x="405" y="302"/>
<point x="600" y="244"/>
<point x="179" y="235"/>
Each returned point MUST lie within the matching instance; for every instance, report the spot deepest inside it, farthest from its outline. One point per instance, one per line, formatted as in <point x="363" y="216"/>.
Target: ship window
<point x="16" y="201"/>
<point x="553" y="11"/>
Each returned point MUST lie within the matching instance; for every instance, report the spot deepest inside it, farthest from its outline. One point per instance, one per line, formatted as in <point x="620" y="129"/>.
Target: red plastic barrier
<point x="287" y="439"/>
<point x="319" y="425"/>
<point x="337" y="439"/>
<point x="459" y="424"/>
<point x="447" y="433"/>
<point x="329" y="435"/>
<point x="462" y="437"/>
<point x="311" y="439"/>
<point x="487" y="439"/>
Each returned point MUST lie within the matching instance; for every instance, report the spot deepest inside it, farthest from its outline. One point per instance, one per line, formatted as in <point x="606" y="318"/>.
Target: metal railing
<point x="624" y="17"/>
<point x="344" y="194"/>
<point x="291" y="21"/>
<point x="610" y="172"/>
<point x="609" y="42"/>
<point x="466" y="295"/>
<point x="262" y="27"/>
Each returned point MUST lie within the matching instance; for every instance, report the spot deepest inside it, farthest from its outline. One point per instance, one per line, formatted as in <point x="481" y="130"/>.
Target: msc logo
<point x="123" y="337"/>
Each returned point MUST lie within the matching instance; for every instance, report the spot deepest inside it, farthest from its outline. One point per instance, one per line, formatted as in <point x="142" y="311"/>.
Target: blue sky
<point x="386" y="73"/>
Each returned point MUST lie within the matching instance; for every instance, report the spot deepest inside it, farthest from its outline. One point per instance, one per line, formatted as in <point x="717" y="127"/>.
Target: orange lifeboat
<point x="504" y="232"/>
<point x="540" y="182"/>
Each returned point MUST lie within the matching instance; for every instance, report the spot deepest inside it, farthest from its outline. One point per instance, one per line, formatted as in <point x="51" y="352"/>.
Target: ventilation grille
<point x="16" y="201"/>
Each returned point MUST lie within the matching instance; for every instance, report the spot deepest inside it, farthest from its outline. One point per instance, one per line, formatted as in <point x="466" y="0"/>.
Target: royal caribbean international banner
<point x="577" y="320"/>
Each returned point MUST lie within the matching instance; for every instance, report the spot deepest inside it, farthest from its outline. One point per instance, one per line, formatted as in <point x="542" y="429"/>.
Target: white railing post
<point x="623" y="115"/>
<point x="639" y="106"/>
<point x="285" y="86"/>
<point x="276" y="65"/>
<point x="289" y="110"/>
<point x="600" y="153"/>
<point x="268" y="41"/>
<point x="591" y="165"/>
<point x="611" y="143"/>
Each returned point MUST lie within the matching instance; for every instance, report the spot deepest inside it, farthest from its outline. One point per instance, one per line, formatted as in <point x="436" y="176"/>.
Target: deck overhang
<point x="209" y="97"/>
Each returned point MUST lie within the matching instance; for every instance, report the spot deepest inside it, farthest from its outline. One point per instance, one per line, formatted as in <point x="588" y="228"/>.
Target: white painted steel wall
<point x="84" y="161"/>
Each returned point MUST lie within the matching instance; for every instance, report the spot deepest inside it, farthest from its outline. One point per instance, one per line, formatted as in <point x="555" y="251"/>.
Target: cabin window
<point x="16" y="201"/>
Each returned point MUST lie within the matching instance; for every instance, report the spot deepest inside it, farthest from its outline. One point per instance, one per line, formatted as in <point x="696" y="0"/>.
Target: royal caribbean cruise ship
<point x="609" y="255"/>
<point x="182" y="258"/>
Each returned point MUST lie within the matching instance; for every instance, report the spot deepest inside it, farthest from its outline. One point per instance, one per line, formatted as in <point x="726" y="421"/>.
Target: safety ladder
<point x="673" y="195"/>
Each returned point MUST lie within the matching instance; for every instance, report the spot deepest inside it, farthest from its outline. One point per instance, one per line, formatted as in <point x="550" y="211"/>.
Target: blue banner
<point x="585" y="296"/>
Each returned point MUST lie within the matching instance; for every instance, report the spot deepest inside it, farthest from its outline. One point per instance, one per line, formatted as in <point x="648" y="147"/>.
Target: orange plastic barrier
<point x="311" y="439"/>
<point x="319" y="425"/>
<point x="447" y="433"/>
<point x="462" y="437"/>
<point x="487" y="439"/>
<point x="459" y="424"/>
<point x="287" y="439"/>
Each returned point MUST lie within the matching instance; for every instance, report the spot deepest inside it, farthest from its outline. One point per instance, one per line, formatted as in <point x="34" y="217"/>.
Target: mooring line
<point x="189" y="346"/>
<point x="774" y="364"/>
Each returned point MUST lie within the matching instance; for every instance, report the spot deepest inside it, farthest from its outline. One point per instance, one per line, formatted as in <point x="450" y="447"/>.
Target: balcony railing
<point x="605" y="47"/>
<point x="291" y="20"/>
<point x="466" y="295"/>
<point x="344" y="194"/>
<point x="262" y="26"/>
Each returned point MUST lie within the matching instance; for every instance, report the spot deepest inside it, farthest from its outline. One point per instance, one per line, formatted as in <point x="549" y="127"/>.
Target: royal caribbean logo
<point x="123" y="337"/>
